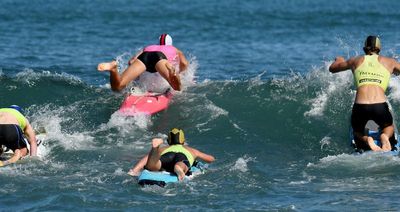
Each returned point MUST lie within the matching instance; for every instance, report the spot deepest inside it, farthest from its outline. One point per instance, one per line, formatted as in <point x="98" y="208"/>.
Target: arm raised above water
<point x="340" y="64"/>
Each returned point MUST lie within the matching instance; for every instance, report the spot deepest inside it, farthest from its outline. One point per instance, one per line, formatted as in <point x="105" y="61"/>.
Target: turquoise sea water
<point x="263" y="103"/>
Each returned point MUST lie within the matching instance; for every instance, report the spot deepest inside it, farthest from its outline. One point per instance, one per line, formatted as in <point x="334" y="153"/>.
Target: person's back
<point x="168" y="50"/>
<point x="11" y="116"/>
<point x="13" y="128"/>
<point x="371" y="79"/>
<point x="371" y="74"/>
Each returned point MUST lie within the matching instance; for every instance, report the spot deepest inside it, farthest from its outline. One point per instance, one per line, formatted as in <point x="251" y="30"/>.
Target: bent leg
<point x="387" y="132"/>
<point x="138" y="167"/>
<point x="153" y="161"/>
<point x="180" y="169"/>
<point x="168" y="72"/>
<point x="365" y="142"/>
<point x="119" y="82"/>
<point x="132" y="72"/>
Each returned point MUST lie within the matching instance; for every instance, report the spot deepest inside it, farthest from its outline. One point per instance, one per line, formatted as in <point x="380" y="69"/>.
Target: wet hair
<point x="176" y="136"/>
<point x="372" y="45"/>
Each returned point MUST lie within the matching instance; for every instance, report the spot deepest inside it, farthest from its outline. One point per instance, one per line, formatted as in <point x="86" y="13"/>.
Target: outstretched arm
<point x="30" y="134"/>
<point x="396" y="69"/>
<point x="341" y="64"/>
<point x="183" y="63"/>
<point x="174" y="78"/>
<point x="203" y="156"/>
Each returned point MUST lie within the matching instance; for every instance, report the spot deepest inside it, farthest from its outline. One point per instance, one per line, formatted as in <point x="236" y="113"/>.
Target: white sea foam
<point x="213" y="111"/>
<point x="308" y="179"/>
<point x="29" y="76"/>
<point x="152" y="82"/>
<point x="356" y="162"/>
<point x="330" y="85"/>
<point x="122" y="60"/>
<point x="167" y="192"/>
<point x="241" y="164"/>
<point x="394" y="85"/>
<point x="126" y="123"/>
<point x="216" y="111"/>
<point x="188" y="77"/>
<point x="325" y="141"/>
<point x="52" y="119"/>
<point x="119" y="172"/>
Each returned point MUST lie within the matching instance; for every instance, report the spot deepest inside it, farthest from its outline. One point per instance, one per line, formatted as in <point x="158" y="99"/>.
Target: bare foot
<point x="133" y="173"/>
<point x="179" y="171"/>
<point x="372" y="145"/>
<point x="385" y="143"/>
<point x="107" y="66"/>
<point x="157" y="142"/>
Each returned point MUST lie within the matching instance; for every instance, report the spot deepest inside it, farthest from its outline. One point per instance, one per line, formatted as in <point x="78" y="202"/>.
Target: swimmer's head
<point x="165" y="39"/>
<point x="176" y="136"/>
<point x="372" y="45"/>
<point x="18" y="108"/>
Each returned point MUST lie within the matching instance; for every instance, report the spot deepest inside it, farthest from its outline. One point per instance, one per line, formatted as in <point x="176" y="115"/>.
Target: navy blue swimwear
<point x="12" y="136"/>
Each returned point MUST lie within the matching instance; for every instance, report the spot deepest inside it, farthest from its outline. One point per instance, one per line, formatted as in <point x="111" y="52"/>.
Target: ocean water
<point x="257" y="96"/>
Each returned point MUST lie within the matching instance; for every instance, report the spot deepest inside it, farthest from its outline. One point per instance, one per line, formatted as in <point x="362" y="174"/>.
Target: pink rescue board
<point x="148" y="103"/>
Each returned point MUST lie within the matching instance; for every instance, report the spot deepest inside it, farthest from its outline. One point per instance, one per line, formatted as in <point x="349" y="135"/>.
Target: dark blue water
<point x="264" y="104"/>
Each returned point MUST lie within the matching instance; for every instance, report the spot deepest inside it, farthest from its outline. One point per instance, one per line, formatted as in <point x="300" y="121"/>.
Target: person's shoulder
<point x="387" y="59"/>
<point x="162" y="148"/>
<point x="189" y="148"/>
<point x="390" y="58"/>
<point x="357" y="58"/>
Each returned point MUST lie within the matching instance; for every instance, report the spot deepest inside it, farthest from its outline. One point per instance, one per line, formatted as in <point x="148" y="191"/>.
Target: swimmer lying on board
<point x="176" y="158"/>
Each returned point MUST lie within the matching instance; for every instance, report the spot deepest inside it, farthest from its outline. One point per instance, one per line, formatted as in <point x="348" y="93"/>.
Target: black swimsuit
<point x="168" y="160"/>
<point x="150" y="59"/>
<point x="12" y="137"/>
<point x="379" y="113"/>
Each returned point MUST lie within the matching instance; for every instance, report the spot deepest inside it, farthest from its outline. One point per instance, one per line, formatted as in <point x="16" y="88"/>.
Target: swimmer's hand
<point x="3" y="163"/>
<point x="175" y="80"/>
<point x="133" y="173"/>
